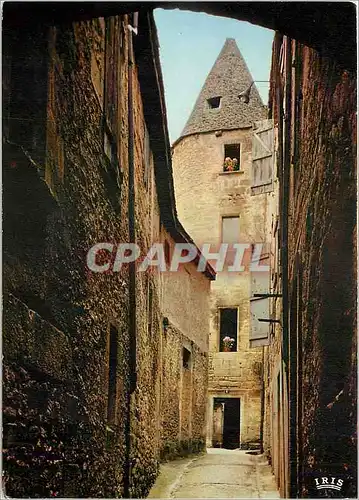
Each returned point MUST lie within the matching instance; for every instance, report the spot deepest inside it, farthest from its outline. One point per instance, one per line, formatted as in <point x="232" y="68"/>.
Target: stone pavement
<point x="219" y="473"/>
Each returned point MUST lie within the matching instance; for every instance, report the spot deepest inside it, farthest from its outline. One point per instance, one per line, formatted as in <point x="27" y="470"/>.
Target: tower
<point x="218" y="202"/>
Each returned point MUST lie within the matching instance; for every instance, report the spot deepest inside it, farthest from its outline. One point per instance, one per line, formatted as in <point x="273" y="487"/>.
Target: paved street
<point x="218" y="474"/>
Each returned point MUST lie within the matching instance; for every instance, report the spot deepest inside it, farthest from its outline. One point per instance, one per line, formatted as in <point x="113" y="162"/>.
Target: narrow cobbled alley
<point x="219" y="473"/>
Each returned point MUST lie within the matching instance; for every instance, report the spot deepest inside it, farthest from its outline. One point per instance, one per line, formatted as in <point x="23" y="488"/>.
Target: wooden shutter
<point x="262" y="157"/>
<point x="259" y="309"/>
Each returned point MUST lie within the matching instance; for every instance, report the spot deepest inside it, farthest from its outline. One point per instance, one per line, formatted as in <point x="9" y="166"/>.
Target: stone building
<point x="184" y="305"/>
<point x="310" y="365"/>
<point x="104" y="372"/>
<point x="219" y="201"/>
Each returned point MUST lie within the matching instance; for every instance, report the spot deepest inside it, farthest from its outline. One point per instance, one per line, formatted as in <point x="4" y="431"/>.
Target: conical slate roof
<point x="227" y="79"/>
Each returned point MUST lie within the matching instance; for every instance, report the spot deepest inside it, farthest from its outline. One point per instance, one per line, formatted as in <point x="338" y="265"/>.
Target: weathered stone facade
<point x="205" y="194"/>
<point x="311" y="362"/>
<point x="86" y="353"/>
<point x="185" y="309"/>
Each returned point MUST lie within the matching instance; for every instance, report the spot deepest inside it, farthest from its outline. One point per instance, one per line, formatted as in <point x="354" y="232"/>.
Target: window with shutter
<point x="262" y="157"/>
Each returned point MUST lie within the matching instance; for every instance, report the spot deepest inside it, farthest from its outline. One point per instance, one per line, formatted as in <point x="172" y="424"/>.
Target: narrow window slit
<point x="214" y="102"/>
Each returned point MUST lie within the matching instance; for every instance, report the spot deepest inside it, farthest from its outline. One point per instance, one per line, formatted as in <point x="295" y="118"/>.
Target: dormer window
<point x="232" y="157"/>
<point x="214" y="102"/>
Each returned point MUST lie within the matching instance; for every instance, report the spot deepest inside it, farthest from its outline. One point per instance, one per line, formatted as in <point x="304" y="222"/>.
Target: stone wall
<point x="47" y="276"/>
<point x="204" y="194"/>
<point x="322" y="270"/>
<point x="228" y="77"/>
<point x="185" y="310"/>
<point x="65" y="189"/>
<point x="183" y="395"/>
<point x="322" y="225"/>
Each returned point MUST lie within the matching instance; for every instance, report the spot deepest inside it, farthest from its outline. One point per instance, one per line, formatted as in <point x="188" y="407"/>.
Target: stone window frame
<point x="228" y="216"/>
<point x="232" y="143"/>
<point x="219" y="326"/>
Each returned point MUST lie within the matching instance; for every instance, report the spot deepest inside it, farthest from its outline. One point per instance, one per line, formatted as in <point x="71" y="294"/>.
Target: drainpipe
<point x="284" y="236"/>
<point x="294" y="341"/>
<point x="131" y="210"/>
<point x="299" y="344"/>
<point x="132" y="268"/>
<point x="285" y="203"/>
<point x="300" y="453"/>
<point x="262" y="406"/>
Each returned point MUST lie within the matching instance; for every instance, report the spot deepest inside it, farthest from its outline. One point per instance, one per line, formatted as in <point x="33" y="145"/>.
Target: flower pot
<point x="226" y="349"/>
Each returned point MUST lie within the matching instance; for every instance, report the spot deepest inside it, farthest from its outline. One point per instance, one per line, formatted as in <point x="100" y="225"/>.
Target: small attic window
<point x="214" y="102"/>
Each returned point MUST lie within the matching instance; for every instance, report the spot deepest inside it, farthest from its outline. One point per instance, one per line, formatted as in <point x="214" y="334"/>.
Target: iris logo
<point x="328" y="483"/>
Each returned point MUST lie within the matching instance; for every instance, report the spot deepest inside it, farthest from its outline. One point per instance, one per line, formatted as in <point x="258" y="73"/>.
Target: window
<point x="230" y="230"/>
<point x="110" y="168"/>
<point x="108" y="146"/>
<point x="146" y="158"/>
<point x="214" y="102"/>
<point x="186" y="358"/>
<point x="232" y="157"/>
<point x="228" y="325"/>
<point x="98" y="60"/>
<point x="112" y="376"/>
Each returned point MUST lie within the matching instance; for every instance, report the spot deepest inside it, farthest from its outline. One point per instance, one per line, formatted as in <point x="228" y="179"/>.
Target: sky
<point x="189" y="45"/>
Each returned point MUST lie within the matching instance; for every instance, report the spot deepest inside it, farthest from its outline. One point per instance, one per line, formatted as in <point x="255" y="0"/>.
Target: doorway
<point x="226" y="423"/>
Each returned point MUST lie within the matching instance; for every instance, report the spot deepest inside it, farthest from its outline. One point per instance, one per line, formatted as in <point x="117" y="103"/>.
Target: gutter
<point x="289" y="348"/>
